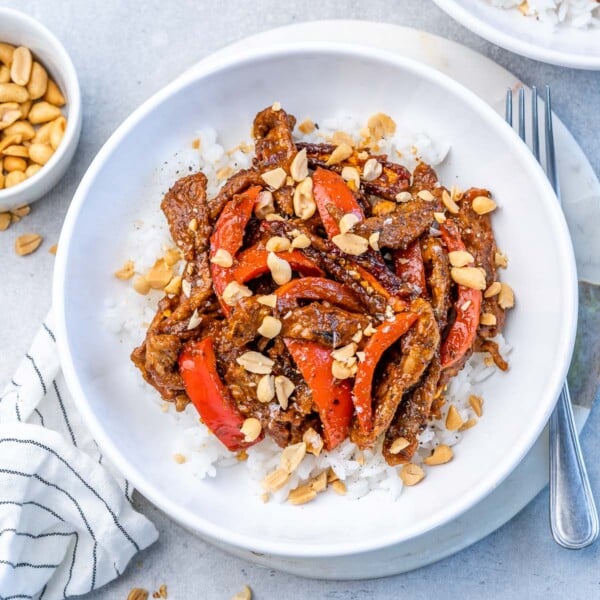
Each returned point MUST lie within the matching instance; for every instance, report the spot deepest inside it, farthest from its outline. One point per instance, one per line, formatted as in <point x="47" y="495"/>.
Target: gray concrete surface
<point x="124" y="51"/>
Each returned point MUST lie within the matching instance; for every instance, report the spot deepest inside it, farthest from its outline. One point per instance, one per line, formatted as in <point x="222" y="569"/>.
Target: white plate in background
<point x="564" y="45"/>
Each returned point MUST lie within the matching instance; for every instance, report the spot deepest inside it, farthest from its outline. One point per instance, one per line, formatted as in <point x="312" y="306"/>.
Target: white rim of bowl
<point x="495" y="476"/>
<point x="73" y="93"/>
<point x="515" y="44"/>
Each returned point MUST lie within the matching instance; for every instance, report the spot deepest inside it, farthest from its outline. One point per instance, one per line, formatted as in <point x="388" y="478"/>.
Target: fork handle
<point x="573" y="516"/>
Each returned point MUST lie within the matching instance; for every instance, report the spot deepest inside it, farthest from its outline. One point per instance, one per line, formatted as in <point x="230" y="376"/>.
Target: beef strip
<point x="439" y="282"/>
<point x="188" y="197"/>
<point x="185" y="201"/>
<point x="412" y="415"/>
<point x="400" y="228"/>
<point x="157" y="356"/>
<point x="241" y="384"/>
<point x="417" y="348"/>
<point x="289" y="426"/>
<point x="274" y="146"/>
<point x="371" y="260"/>
<point x="323" y="323"/>
<point x="364" y="201"/>
<point x="254" y="234"/>
<point x="343" y="268"/>
<point x="342" y="271"/>
<point x="284" y="426"/>
<point x="235" y="185"/>
<point x="424" y="177"/>
<point x="240" y="329"/>
<point x="302" y="396"/>
<point x="394" y="178"/>
<point x="478" y="237"/>
<point x="230" y="342"/>
<point x="449" y="372"/>
<point x="284" y="200"/>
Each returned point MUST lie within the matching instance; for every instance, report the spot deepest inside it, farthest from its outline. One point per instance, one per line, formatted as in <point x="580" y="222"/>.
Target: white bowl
<point x="564" y="46"/>
<point x="313" y="80"/>
<point x="19" y="29"/>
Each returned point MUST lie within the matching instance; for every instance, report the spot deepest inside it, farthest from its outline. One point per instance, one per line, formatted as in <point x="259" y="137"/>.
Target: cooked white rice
<point x="128" y="315"/>
<point x="574" y="13"/>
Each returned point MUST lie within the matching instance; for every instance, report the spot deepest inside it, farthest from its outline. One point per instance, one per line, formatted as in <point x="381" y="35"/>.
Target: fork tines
<point x="551" y="170"/>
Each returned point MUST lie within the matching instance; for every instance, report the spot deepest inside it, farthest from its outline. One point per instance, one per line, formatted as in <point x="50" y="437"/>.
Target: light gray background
<point x="124" y="51"/>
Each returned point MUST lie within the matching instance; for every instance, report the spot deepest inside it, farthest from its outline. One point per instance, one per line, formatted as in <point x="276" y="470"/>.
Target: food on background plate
<point x="325" y="300"/>
<point x="574" y="13"/>
<point x="31" y="121"/>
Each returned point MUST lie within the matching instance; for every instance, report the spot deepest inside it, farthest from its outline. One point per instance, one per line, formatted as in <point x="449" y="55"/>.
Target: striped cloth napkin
<point x="67" y="525"/>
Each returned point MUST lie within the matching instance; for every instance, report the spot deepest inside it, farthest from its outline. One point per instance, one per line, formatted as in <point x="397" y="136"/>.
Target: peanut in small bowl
<point x="40" y="110"/>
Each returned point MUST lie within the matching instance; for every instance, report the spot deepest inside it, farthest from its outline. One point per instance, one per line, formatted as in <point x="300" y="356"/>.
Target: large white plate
<point x="564" y="46"/>
<point x="119" y="183"/>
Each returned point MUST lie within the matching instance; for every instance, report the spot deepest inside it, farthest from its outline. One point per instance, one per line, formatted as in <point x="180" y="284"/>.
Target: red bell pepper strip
<point x="462" y="333"/>
<point x="316" y="288"/>
<point x="332" y="397"/>
<point x="409" y="266"/>
<point x="252" y="263"/>
<point x="388" y="333"/>
<point x="229" y="235"/>
<point x="330" y="188"/>
<point x="198" y="368"/>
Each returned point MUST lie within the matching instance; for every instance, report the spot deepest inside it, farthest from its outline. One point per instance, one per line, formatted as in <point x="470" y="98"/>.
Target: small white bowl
<point x="18" y="29"/>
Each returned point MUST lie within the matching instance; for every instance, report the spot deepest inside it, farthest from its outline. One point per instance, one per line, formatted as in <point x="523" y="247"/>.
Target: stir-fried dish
<point x="326" y="289"/>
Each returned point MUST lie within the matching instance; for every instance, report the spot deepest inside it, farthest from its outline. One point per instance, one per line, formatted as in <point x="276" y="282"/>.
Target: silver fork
<point x="573" y="515"/>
